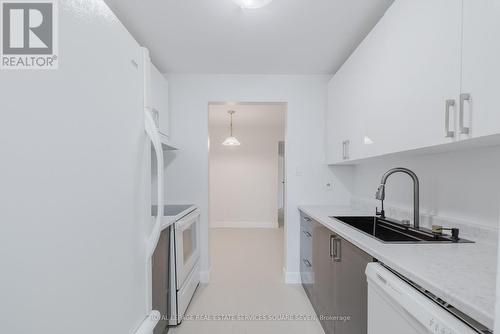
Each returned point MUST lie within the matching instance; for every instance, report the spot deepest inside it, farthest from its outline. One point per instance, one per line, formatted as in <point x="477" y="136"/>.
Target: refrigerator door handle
<point x="154" y="135"/>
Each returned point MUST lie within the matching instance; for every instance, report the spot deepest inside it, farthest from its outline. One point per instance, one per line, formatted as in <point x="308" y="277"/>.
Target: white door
<point x="411" y="66"/>
<point x="481" y="67"/>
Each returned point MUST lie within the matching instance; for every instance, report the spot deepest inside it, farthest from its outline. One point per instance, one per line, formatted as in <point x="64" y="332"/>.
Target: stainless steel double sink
<point x="389" y="231"/>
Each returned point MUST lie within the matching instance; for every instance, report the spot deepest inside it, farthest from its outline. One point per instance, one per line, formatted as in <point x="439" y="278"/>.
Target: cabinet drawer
<point x="306" y="255"/>
<point x="306" y="244"/>
<point x="305" y="236"/>
<point x="307" y="276"/>
<point x="306" y="223"/>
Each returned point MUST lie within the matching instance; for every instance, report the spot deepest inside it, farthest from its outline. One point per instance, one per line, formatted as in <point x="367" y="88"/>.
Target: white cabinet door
<point x="342" y="118"/>
<point x="391" y="94"/>
<point x="411" y="64"/>
<point x="336" y="122"/>
<point x="481" y="67"/>
<point x="160" y="99"/>
<point x="332" y="130"/>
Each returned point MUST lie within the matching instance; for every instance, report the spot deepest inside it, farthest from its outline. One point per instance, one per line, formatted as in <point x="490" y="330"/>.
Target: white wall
<point x="243" y="180"/>
<point x="462" y="185"/>
<point x="187" y="175"/>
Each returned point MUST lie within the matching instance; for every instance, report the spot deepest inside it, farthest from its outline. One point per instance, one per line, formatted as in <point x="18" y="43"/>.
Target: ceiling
<point x="217" y="36"/>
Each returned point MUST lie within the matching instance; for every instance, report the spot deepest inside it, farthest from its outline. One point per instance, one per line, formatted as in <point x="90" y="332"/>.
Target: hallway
<point x="247" y="289"/>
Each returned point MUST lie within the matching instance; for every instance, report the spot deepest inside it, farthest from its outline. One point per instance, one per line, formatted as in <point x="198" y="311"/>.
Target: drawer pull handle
<point x="336" y="252"/>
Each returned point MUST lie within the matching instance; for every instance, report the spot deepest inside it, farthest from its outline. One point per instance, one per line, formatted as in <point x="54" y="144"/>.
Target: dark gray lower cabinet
<point x="324" y="277"/>
<point x="306" y="260"/>
<point x="351" y="288"/>
<point x="337" y="287"/>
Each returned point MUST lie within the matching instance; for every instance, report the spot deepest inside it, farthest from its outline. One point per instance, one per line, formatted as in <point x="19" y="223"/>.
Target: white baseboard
<point x="244" y="225"/>
<point x="205" y="276"/>
<point x="292" y="277"/>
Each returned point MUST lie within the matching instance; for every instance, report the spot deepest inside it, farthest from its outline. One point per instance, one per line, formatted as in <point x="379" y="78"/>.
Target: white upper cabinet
<point x="426" y="75"/>
<point x="391" y="93"/>
<point x="159" y="97"/>
<point x="481" y="68"/>
<point x="156" y="94"/>
<point x="412" y="69"/>
<point x="340" y="123"/>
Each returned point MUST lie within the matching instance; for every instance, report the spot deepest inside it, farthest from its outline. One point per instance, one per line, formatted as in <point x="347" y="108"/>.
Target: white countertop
<point x="464" y="275"/>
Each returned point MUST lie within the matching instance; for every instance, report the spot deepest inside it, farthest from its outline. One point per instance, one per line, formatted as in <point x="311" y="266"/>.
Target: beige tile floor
<point x="247" y="281"/>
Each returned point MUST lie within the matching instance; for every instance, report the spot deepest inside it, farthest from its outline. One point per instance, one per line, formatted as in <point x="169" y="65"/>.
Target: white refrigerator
<point x="75" y="183"/>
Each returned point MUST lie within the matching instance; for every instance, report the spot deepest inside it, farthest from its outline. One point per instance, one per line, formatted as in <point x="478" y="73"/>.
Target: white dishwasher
<point x="397" y="307"/>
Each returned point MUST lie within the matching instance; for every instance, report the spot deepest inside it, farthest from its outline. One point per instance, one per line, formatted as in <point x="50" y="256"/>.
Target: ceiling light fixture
<point x="231" y="140"/>
<point x="252" y="4"/>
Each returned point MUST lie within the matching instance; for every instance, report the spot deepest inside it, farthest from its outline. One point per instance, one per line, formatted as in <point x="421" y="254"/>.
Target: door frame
<point x="285" y="188"/>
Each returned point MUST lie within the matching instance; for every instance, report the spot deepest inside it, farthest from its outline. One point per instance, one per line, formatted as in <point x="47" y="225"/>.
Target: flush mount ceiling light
<point x="231" y="140"/>
<point x="252" y="4"/>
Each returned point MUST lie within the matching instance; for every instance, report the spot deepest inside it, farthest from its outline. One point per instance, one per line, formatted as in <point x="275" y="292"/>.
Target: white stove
<point x="184" y="257"/>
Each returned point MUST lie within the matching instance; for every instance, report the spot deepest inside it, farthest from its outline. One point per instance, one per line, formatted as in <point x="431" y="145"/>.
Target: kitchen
<point x="391" y="138"/>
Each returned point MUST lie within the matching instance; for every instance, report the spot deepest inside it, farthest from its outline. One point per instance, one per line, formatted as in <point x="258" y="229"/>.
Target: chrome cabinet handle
<point x="337" y="249"/>
<point x="332" y="237"/>
<point x="307" y="219"/>
<point x="449" y="105"/>
<point x="345" y="149"/>
<point x="307" y="234"/>
<point x="463" y="97"/>
<point x="307" y="263"/>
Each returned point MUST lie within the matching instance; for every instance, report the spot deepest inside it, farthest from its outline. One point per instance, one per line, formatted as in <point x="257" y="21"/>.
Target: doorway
<point x="246" y="176"/>
<point x="246" y="179"/>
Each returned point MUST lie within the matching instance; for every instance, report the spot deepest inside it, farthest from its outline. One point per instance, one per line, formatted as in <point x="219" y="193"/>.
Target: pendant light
<point x="231" y="140"/>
